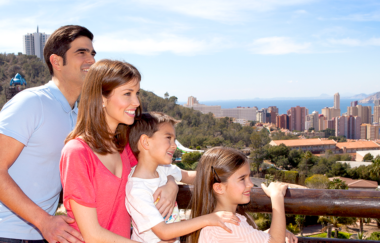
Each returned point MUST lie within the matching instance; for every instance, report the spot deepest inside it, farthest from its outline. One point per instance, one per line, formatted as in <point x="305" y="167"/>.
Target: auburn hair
<point x="102" y="78"/>
<point x="216" y="165"/>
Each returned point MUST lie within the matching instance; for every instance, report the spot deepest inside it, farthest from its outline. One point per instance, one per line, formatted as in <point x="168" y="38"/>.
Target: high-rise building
<point x="330" y="113"/>
<point x="354" y="103"/>
<point x="273" y="111"/>
<point x="297" y="118"/>
<point x="352" y="110"/>
<point x="34" y="44"/>
<point x="261" y="115"/>
<point x="365" y="113"/>
<point x="370" y="132"/>
<point x="376" y="114"/>
<point x="337" y="101"/>
<point x="376" y="102"/>
<point x="282" y="121"/>
<point x="348" y="126"/>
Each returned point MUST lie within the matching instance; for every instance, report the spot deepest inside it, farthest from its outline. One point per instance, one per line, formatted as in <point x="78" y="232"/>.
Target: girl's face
<point x="121" y="105"/>
<point x="238" y="187"/>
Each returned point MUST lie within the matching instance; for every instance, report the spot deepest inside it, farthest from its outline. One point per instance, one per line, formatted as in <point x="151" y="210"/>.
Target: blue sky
<point x="222" y="49"/>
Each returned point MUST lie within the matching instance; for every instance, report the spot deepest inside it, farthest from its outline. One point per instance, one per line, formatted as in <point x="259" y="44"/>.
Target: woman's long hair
<point x="215" y="166"/>
<point x="102" y="78"/>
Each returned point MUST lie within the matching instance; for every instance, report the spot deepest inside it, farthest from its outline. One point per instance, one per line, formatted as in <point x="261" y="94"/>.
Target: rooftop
<point x="358" y="145"/>
<point x="357" y="183"/>
<point x="304" y="142"/>
<point x="355" y="164"/>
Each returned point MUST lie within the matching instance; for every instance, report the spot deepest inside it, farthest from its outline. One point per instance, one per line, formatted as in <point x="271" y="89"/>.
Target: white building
<point x="34" y="44"/>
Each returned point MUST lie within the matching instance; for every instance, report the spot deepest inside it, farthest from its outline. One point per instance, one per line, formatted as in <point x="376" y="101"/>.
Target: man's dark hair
<point x="147" y="124"/>
<point x="59" y="42"/>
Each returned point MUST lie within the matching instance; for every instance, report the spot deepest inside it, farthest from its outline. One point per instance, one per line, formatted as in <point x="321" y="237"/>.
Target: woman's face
<point x="121" y="105"/>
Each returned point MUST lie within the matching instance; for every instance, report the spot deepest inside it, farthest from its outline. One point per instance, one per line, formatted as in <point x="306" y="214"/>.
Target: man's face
<point x="79" y="58"/>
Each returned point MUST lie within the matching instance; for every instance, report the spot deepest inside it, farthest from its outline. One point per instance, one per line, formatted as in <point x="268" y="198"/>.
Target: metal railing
<point x="347" y="203"/>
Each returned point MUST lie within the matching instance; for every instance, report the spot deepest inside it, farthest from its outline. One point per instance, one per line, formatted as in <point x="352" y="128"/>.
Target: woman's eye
<point x="128" y="94"/>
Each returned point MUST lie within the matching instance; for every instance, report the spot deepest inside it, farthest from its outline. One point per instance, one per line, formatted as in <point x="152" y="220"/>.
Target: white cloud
<point x="301" y="11"/>
<point x="278" y="46"/>
<point x="355" y="42"/>
<point x="154" y="45"/>
<point x="221" y="10"/>
<point x="4" y="2"/>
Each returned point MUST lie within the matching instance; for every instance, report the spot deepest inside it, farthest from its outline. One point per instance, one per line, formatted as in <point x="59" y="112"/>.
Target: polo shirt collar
<point x="61" y="98"/>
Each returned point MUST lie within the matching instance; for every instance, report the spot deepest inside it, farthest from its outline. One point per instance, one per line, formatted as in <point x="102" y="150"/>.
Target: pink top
<point x="88" y="182"/>
<point x="244" y="233"/>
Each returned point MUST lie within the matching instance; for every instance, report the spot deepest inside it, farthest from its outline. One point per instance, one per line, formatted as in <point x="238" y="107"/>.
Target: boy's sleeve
<point x="140" y="205"/>
<point x="21" y="116"/>
<point x="172" y="170"/>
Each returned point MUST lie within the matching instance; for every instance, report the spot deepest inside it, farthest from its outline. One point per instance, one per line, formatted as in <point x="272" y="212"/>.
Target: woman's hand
<point x="290" y="237"/>
<point x="168" y="196"/>
<point x="221" y="217"/>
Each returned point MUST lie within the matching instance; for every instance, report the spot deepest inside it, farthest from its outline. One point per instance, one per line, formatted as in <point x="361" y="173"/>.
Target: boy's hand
<point x="168" y="196"/>
<point x="221" y="217"/>
<point x="275" y="189"/>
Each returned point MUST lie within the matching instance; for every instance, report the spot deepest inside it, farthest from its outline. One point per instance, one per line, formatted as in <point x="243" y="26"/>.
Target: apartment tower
<point x="34" y="44"/>
<point x="297" y="118"/>
<point x="336" y="101"/>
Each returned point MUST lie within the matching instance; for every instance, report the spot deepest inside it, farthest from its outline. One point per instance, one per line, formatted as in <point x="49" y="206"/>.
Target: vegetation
<point x="368" y="157"/>
<point x="317" y="182"/>
<point x="31" y="68"/>
<point x="374" y="236"/>
<point x="341" y="235"/>
<point x="339" y="139"/>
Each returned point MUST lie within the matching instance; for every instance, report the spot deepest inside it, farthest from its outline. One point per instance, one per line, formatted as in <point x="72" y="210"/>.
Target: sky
<point x="221" y="49"/>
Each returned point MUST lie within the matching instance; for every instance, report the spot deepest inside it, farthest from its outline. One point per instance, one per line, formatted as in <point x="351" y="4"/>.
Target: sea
<point x="284" y="105"/>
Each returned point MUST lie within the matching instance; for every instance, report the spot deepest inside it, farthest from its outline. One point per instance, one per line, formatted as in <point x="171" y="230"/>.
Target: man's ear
<point x="218" y="188"/>
<point x="144" y="142"/>
<point x="56" y="61"/>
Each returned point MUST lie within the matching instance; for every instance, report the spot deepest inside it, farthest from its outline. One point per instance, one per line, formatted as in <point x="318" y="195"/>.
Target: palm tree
<point x="300" y="220"/>
<point x="331" y="222"/>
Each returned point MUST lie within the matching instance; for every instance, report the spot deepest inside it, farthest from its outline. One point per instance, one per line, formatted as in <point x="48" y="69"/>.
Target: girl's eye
<point x="127" y="94"/>
<point x="138" y="93"/>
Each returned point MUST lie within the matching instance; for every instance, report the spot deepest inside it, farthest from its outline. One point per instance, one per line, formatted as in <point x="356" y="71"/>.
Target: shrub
<point x="317" y="182"/>
<point x="374" y="236"/>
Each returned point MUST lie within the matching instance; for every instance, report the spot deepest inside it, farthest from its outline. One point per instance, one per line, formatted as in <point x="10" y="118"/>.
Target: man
<point x="33" y="127"/>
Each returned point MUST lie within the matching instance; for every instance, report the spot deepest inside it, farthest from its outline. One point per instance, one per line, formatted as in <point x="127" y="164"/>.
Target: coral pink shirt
<point x="89" y="183"/>
<point x="244" y="233"/>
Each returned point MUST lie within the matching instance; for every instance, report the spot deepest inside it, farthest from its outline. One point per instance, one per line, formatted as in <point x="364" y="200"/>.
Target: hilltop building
<point x="34" y="44"/>
<point x="354" y="103"/>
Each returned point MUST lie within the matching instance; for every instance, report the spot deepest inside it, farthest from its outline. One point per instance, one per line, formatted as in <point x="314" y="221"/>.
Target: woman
<point x="97" y="159"/>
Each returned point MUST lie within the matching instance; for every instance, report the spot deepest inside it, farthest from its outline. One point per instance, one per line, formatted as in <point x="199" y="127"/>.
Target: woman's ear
<point x="104" y="101"/>
<point x="218" y="188"/>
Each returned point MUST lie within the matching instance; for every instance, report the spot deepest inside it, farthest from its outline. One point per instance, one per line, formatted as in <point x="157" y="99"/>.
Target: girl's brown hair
<point x="215" y="166"/>
<point x="102" y="78"/>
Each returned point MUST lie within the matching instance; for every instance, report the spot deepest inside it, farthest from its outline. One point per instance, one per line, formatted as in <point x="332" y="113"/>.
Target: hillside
<point x="31" y="68"/>
<point x="371" y="98"/>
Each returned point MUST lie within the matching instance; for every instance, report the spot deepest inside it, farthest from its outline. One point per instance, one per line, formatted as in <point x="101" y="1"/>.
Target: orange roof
<point x="304" y="142"/>
<point x="358" y="144"/>
<point x="357" y="183"/>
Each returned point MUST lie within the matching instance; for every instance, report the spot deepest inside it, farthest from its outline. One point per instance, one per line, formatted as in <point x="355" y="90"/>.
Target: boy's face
<point x="162" y="144"/>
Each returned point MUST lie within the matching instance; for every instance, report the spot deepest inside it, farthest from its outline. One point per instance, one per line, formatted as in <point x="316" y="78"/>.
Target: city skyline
<point x="222" y="50"/>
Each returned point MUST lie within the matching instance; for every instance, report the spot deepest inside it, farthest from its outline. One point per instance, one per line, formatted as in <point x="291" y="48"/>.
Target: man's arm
<point x="53" y="228"/>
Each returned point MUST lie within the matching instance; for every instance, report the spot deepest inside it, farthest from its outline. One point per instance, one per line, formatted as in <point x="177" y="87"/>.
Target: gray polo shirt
<point x="40" y="118"/>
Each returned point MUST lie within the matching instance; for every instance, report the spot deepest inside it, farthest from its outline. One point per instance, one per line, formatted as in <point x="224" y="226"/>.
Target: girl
<point x="222" y="184"/>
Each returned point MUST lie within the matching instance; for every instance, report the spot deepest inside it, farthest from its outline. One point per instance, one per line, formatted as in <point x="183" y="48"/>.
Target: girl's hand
<point x="290" y="237"/>
<point x="168" y="196"/>
<point x="221" y="217"/>
<point x="275" y="189"/>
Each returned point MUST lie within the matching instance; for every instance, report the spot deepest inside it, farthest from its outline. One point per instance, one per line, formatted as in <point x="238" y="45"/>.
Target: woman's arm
<point x="169" y="231"/>
<point x="88" y="224"/>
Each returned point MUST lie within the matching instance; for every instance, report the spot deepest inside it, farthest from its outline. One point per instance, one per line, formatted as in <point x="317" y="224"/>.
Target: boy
<point x="152" y="140"/>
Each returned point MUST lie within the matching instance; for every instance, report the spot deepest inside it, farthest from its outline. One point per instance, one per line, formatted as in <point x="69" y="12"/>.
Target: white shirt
<point x="141" y="206"/>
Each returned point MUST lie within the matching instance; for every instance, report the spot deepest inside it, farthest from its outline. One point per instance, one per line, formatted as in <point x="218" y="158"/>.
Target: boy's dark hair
<point x="59" y="42"/>
<point x="148" y="124"/>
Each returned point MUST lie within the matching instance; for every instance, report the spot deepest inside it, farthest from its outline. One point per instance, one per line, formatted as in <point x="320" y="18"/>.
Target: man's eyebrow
<point x="85" y="50"/>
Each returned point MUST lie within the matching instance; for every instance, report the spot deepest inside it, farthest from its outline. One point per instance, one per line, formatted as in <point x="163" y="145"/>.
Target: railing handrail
<point x="347" y="203"/>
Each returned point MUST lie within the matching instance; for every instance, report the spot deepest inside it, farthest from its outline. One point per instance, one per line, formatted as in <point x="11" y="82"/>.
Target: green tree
<point x="166" y="95"/>
<point x="311" y="129"/>
<point x="259" y="140"/>
<point x="368" y="157"/>
<point x="300" y="220"/>
<point x="338" y="184"/>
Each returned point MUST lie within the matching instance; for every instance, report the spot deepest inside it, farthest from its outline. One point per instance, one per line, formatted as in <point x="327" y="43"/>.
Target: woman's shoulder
<point x="75" y="146"/>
